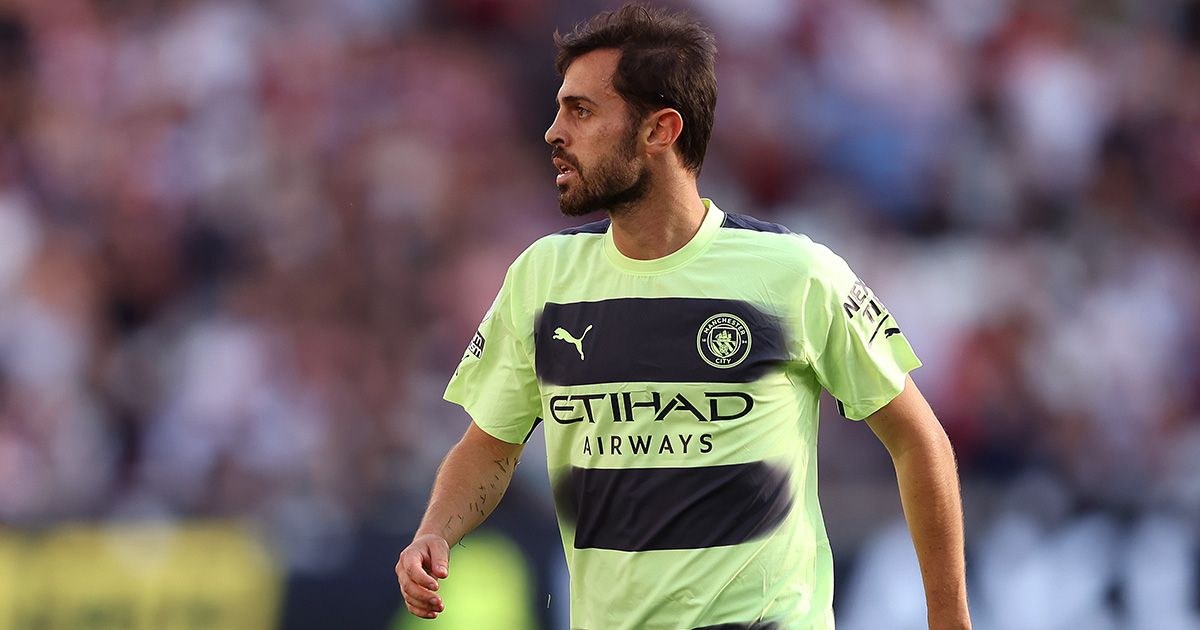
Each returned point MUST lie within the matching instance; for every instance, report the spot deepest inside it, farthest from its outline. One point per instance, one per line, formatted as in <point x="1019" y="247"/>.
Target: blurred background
<point x="243" y="244"/>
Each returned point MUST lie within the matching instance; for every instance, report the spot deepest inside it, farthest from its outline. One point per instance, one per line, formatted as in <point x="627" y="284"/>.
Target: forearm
<point x="929" y="492"/>
<point x="469" y="485"/>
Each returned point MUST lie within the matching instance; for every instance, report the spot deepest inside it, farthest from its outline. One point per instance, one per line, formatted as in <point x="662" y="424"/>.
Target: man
<point x="676" y="353"/>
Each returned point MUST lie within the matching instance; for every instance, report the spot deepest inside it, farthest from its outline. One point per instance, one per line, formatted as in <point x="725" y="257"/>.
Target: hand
<point x="421" y="565"/>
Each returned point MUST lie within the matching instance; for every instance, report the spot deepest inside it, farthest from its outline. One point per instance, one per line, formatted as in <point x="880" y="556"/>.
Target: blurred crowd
<point x="243" y="244"/>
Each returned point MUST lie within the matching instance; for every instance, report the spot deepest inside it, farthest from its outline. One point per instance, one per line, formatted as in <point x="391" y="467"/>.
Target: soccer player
<point x="674" y="353"/>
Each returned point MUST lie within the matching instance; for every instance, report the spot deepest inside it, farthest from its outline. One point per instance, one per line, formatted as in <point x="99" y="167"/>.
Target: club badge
<point x="723" y="340"/>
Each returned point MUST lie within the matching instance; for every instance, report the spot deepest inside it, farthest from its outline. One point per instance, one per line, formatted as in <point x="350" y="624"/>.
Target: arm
<point x="469" y="485"/>
<point x="928" y="479"/>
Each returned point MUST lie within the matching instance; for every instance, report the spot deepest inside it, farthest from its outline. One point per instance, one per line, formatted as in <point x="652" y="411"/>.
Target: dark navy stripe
<point x="650" y="340"/>
<point x="644" y="509"/>
<point x="743" y="222"/>
<point x="595" y="227"/>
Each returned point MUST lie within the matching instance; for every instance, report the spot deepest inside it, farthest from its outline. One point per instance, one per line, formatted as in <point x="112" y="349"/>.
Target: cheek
<point x="601" y="138"/>
<point x="597" y="145"/>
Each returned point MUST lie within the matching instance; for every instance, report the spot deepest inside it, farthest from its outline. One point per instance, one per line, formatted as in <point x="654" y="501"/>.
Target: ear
<point x="662" y="130"/>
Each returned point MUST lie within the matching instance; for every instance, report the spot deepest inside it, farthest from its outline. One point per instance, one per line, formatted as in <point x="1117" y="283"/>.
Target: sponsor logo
<point x="723" y="340"/>
<point x="476" y="345"/>
<point x="861" y="301"/>
<point x="562" y="334"/>
<point x="647" y="410"/>
<point x="622" y="407"/>
<point x="647" y="444"/>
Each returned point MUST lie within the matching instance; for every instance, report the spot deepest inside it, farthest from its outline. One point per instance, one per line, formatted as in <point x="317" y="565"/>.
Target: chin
<point x="573" y="210"/>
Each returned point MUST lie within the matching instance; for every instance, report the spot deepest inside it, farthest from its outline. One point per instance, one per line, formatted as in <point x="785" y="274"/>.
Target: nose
<point x="555" y="134"/>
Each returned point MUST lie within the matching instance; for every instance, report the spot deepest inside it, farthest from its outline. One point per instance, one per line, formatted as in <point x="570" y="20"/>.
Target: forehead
<point x="591" y="75"/>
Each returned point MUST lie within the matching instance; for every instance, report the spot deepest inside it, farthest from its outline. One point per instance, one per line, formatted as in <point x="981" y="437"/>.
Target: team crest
<point x="723" y="340"/>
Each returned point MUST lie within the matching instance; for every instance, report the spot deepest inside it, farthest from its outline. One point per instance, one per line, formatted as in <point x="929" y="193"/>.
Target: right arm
<point x="469" y="485"/>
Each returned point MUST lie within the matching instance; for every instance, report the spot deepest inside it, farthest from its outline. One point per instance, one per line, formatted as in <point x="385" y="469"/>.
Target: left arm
<point x="929" y="493"/>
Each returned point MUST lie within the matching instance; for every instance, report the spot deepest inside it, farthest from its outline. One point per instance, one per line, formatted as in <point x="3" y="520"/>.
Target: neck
<point x="660" y="223"/>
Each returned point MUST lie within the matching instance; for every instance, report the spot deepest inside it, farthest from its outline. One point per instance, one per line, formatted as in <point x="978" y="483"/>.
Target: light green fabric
<point x="839" y="337"/>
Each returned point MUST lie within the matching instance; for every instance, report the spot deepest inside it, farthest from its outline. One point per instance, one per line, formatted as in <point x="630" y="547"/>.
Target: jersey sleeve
<point x="850" y="340"/>
<point x="495" y="381"/>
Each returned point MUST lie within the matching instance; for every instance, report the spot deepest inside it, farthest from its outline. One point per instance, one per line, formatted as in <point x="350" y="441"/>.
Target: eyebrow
<point x="573" y="99"/>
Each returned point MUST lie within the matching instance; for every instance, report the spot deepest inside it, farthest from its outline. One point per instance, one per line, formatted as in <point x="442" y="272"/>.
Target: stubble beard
<point x="614" y="184"/>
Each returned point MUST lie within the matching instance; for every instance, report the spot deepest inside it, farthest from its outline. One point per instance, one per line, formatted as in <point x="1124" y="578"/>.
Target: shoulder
<point x="572" y="239"/>
<point x="541" y="255"/>
<point x="595" y="227"/>
<point x="736" y="221"/>
<point x="771" y="241"/>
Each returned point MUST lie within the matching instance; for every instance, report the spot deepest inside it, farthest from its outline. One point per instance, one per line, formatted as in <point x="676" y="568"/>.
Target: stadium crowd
<point x="244" y="243"/>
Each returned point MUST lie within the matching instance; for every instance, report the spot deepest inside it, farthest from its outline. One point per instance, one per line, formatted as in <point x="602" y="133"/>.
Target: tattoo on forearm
<point x="505" y="464"/>
<point x="486" y="495"/>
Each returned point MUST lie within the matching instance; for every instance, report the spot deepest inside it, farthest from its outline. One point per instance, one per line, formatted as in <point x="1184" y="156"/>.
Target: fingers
<point x="420" y="601"/>
<point x="416" y="585"/>
<point x="423" y="608"/>
<point x="420" y="597"/>
<point x="420" y="612"/>
<point x="414" y="567"/>
<point x="413" y="574"/>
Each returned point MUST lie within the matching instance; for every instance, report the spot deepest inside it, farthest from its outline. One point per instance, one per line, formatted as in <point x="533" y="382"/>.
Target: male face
<point x="595" y="140"/>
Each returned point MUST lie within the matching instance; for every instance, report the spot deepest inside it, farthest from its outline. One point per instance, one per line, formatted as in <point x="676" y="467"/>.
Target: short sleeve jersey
<point x="679" y="398"/>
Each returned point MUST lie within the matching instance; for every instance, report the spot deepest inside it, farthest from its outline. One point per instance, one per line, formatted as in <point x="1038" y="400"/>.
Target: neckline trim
<point x="709" y="227"/>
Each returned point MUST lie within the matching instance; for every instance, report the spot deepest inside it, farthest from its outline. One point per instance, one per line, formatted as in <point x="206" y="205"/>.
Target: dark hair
<point x="666" y="60"/>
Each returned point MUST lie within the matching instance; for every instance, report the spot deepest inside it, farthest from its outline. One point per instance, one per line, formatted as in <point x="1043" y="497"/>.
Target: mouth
<point x="565" y="171"/>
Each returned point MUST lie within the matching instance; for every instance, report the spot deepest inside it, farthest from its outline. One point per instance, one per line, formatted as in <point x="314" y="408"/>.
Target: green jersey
<point x="679" y="399"/>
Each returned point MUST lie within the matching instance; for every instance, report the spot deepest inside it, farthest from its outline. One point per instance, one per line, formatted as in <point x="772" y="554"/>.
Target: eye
<point x="582" y="112"/>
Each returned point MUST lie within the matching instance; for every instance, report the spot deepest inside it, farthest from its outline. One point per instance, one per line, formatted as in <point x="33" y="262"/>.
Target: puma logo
<point x="562" y="335"/>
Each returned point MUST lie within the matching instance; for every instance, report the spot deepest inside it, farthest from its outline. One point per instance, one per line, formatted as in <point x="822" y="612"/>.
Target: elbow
<point x="932" y="446"/>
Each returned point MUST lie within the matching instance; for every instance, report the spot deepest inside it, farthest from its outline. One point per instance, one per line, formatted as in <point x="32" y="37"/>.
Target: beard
<point x="613" y="183"/>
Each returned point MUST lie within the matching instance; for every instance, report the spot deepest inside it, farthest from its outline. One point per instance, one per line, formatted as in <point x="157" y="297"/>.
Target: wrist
<point x="426" y="532"/>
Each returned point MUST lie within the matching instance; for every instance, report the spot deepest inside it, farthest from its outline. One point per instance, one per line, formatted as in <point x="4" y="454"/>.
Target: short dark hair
<point x="667" y="60"/>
